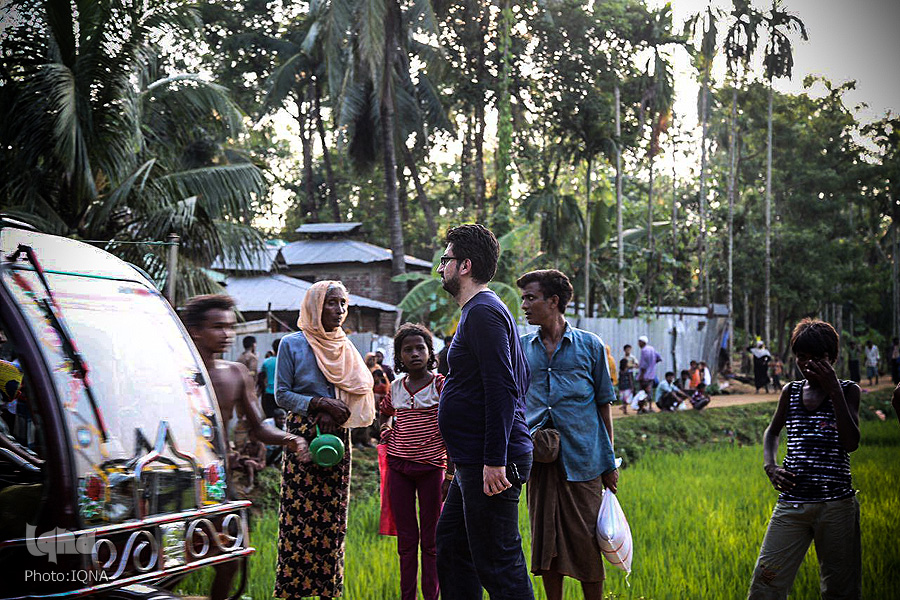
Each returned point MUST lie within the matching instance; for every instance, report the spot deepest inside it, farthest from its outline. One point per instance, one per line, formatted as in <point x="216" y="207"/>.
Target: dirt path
<point x="751" y="398"/>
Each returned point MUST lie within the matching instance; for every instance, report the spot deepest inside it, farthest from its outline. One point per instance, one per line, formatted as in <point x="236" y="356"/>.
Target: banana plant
<point x="429" y="303"/>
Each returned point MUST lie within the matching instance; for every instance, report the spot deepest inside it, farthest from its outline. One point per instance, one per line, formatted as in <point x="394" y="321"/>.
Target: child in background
<point x="684" y="382"/>
<point x="626" y="383"/>
<point x="416" y="457"/>
<point x="705" y="375"/>
<point x="699" y="400"/>
<point x="777" y="372"/>
<point x="853" y="362"/>
<point x="817" y="499"/>
<point x="250" y="459"/>
<point x="696" y="375"/>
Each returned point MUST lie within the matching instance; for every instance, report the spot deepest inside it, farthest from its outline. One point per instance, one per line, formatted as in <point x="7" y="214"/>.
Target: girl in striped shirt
<point x="416" y="457"/>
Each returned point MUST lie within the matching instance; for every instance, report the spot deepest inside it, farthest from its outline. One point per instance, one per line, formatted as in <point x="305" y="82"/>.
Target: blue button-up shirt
<point x="566" y="392"/>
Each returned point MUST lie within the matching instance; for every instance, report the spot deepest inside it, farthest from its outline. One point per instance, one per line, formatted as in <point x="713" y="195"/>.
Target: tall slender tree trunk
<point x="895" y="269"/>
<point x="326" y="157"/>
<point x="650" y="241"/>
<point x="768" y="293"/>
<point x="481" y="100"/>
<point x="732" y="179"/>
<point x="398" y="261"/>
<point x="747" y="325"/>
<point x="619" y="236"/>
<point x="674" y="209"/>
<point x="422" y="197"/>
<point x="504" y="112"/>
<point x="402" y="196"/>
<point x="704" y="101"/>
<point x="587" y="243"/>
<point x="465" y="166"/>
<point x="480" y="185"/>
<point x="303" y="119"/>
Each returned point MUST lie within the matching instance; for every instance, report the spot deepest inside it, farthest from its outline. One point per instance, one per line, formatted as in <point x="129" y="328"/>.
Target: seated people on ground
<point x="699" y="400"/>
<point x="250" y="459"/>
<point x="668" y="396"/>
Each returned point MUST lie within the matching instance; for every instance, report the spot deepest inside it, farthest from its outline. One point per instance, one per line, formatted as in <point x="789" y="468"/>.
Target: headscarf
<point x="337" y="357"/>
<point x="760" y="351"/>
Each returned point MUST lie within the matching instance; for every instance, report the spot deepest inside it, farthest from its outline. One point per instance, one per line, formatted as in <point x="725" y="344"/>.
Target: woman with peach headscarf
<point x="322" y="381"/>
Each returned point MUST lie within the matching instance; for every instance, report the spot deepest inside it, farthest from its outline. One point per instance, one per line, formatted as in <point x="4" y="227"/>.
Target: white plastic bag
<point x="613" y="533"/>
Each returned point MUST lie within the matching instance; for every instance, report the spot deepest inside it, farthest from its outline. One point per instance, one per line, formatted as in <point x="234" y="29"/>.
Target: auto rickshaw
<point x="112" y="450"/>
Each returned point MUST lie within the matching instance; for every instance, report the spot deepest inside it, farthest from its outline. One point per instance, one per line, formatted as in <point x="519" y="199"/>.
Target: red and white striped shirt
<point x="415" y="435"/>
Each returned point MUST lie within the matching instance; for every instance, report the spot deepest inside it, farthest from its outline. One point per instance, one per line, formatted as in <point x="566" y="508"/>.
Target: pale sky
<point x="848" y="39"/>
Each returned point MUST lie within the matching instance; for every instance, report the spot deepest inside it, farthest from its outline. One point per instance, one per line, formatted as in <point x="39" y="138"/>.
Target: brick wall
<point x="359" y="320"/>
<point x="371" y="281"/>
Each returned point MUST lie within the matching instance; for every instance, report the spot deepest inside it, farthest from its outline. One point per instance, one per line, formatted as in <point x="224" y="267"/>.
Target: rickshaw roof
<point x="65" y="255"/>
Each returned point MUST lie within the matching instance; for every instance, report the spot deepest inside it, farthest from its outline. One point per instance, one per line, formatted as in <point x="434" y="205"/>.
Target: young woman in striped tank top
<point x="416" y="457"/>
<point x="817" y="500"/>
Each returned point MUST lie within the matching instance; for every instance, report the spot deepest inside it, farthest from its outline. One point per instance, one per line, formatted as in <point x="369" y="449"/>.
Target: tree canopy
<point x="128" y="120"/>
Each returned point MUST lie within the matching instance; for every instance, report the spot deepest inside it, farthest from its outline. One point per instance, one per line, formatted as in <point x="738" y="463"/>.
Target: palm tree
<point x="381" y="104"/>
<point x="740" y="44"/>
<point x="504" y="108"/>
<point x="627" y="21"/>
<point x="303" y="76"/>
<point x="94" y="141"/>
<point x="704" y="27"/>
<point x="779" y="62"/>
<point x="657" y="104"/>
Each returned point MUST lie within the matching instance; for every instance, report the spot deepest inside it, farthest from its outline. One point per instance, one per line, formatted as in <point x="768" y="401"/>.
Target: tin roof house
<point x="271" y="283"/>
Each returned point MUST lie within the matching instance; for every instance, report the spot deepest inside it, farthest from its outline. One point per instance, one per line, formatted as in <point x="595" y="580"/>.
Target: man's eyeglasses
<point x="446" y="259"/>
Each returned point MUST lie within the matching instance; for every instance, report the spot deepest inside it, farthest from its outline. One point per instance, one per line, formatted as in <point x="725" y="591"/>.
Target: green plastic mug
<point x="326" y="449"/>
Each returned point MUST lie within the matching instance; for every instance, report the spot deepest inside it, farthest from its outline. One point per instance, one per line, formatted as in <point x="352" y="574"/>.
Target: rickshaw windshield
<point x="141" y="370"/>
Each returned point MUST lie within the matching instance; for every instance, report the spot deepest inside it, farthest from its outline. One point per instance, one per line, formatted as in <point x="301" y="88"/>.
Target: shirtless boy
<point x="210" y="323"/>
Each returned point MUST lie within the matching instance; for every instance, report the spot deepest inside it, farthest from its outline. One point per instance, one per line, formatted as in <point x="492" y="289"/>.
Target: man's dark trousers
<point x="478" y="542"/>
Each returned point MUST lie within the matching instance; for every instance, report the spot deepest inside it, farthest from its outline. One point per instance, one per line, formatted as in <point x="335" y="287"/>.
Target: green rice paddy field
<point x="697" y="516"/>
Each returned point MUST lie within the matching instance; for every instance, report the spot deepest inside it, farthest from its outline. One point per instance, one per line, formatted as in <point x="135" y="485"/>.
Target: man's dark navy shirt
<point x="482" y="408"/>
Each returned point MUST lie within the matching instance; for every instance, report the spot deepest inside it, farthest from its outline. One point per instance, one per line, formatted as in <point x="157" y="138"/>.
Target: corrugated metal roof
<point x="317" y="252"/>
<point x="254" y="293"/>
<point x="328" y="228"/>
<point x="261" y="260"/>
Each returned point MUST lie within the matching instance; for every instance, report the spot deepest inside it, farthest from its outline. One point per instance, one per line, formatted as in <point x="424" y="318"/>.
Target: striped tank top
<point x="415" y="435"/>
<point x="820" y="465"/>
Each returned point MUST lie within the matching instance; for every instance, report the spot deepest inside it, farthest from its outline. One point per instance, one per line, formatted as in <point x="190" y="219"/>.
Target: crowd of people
<point x="464" y="429"/>
<point x="769" y="369"/>
<point x="641" y="389"/>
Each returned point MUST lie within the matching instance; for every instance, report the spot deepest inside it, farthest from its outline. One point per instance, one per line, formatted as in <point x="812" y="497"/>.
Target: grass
<point x="697" y="503"/>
